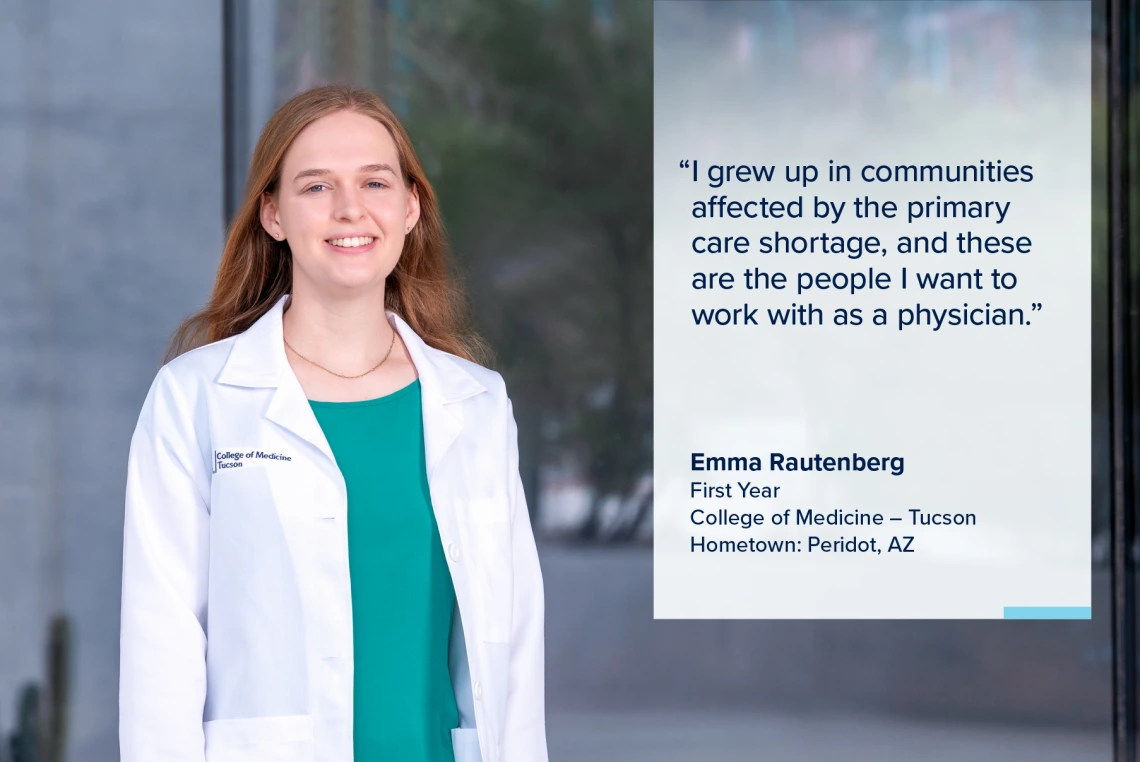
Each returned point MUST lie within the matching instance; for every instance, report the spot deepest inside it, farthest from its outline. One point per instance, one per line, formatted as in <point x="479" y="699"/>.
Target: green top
<point x="402" y="595"/>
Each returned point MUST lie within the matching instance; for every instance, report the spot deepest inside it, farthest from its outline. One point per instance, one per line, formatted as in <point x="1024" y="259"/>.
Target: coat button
<point x="453" y="552"/>
<point x="478" y="689"/>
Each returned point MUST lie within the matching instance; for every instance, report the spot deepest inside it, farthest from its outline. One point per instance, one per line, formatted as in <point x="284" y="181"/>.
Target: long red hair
<point x="256" y="269"/>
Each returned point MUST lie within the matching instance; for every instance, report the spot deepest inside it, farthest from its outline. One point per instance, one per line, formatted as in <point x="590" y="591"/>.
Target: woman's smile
<point x="352" y="245"/>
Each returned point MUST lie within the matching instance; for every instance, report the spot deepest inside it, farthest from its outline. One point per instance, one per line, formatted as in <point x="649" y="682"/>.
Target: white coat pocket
<point x="260" y="739"/>
<point x="494" y="583"/>
<point x="465" y="745"/>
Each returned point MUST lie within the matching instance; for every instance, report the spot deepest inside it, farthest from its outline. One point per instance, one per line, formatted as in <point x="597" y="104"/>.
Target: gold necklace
<point x="326" y="370"/>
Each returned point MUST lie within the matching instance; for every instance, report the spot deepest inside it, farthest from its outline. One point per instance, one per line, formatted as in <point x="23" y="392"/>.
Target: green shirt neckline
<point x="390" y="397"/>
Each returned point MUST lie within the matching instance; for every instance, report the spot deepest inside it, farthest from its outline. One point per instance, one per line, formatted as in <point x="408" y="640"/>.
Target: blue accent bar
<point x="1048" y="612"/>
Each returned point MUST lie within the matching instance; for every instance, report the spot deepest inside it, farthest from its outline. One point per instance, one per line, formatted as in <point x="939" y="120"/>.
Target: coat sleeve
<point x="524" y="732"/>
<point x="162" y="648"/>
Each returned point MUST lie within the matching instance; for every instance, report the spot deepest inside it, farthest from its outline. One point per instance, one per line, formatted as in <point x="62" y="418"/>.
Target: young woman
<point x="327" y="551"/>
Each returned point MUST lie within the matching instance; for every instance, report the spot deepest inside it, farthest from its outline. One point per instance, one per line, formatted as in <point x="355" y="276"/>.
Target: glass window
<point x="534" y="120"/>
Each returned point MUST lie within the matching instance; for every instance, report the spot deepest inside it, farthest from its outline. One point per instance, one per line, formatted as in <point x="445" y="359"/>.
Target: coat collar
<point x="257" y="360"/>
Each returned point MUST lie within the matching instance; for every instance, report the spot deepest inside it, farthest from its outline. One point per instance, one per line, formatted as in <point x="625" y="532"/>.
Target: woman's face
<point x="341" y="204"/>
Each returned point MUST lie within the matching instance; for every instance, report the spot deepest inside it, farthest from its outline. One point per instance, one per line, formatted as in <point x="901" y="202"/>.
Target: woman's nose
<point x="348" y="205"/>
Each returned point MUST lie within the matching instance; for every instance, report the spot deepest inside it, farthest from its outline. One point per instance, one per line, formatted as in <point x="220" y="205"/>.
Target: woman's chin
<point x="340" y="282"/>
<point x="357" y="282"/>
<point x="345" y="274"/>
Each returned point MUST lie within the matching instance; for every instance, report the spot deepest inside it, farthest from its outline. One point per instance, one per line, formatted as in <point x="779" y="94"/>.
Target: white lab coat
<point x="237" y="611"/>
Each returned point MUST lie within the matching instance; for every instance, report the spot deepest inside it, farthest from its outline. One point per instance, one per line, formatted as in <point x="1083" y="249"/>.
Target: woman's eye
<point x="314" y="187"/>
<point x="377" y="183"/>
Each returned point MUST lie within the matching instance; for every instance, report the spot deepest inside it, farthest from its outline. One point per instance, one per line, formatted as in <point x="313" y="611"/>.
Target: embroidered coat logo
<point x="224" y="459"/>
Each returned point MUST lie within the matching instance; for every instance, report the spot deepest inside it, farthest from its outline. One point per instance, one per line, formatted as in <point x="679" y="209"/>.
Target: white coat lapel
<point x="442" y="383"/>
<point x="290" y="409"/>
<point x="257" y="359"/>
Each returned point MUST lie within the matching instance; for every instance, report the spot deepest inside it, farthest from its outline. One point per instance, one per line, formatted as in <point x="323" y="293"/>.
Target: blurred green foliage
<point x="535" y="122"/>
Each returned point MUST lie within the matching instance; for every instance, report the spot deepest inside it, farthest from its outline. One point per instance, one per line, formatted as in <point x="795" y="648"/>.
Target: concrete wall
<point x="111" y="222"/>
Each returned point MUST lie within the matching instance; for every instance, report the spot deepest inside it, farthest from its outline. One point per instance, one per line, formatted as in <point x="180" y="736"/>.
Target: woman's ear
<point x="413" y="214"/>
<point x="269" y="219"/>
